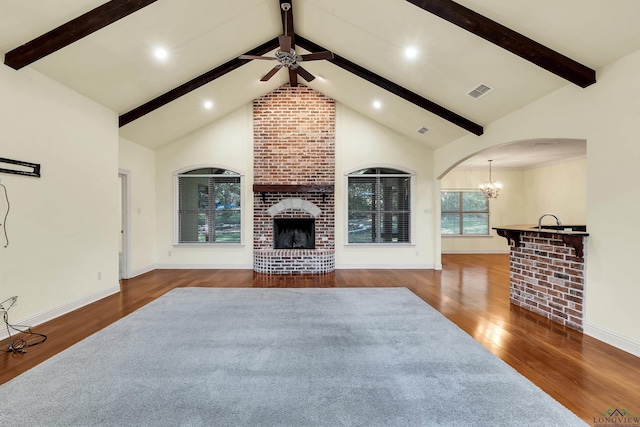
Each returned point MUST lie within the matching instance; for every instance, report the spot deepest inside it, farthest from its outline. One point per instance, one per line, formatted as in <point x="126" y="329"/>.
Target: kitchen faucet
<point x="548" y="214"/>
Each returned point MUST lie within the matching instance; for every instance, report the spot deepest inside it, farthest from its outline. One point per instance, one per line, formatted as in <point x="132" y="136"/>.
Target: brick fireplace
<point x="294" y="173"/>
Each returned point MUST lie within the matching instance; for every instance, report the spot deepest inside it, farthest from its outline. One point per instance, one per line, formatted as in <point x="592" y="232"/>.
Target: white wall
<point x="605" y="115"/>
<point x="140" y="165"/>
<point x="560" y="189"/>
<point x="63" y="227"/>
<point x="227" y="142"/>
<point x="360" y="143"/>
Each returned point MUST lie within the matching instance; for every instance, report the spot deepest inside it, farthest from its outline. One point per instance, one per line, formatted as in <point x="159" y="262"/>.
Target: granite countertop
<point x="566" y="229"/>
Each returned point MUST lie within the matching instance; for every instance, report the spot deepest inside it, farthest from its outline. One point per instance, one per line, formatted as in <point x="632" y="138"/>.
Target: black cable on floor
<point x="18" y="345"/>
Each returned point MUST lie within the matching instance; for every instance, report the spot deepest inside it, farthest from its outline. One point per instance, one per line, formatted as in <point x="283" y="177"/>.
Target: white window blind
<point x="209" y="206"/>
<point x="379" y="206"/>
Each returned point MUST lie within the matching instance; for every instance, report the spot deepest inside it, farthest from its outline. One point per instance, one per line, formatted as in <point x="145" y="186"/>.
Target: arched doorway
<point x="538" y="176"/>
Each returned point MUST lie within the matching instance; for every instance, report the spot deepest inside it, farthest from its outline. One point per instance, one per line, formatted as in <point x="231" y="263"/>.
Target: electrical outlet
<point x="99" y="275"/>
<point x="169" y="253"/>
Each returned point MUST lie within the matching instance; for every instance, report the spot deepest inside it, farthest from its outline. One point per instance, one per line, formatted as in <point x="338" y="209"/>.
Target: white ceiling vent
<point x="423" y="130"/>
<point x="479" y="91"/>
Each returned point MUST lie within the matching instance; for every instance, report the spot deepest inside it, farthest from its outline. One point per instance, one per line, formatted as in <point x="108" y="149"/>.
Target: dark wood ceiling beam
<point x="394" y="88"/>
<point x="72" y="31"/>
<point x="194" y="84"/>
<point x="510" y="40"/>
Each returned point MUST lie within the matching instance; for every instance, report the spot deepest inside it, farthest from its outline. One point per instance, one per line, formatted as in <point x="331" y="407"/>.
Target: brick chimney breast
<point x="294" y="137"/>
<point x="294" y="144"/>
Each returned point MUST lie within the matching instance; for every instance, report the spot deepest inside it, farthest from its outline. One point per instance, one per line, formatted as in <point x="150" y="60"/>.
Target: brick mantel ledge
<point x="293" y="188"/>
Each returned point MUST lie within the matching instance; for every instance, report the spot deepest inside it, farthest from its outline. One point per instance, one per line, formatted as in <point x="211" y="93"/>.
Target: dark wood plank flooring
<point x="584" y="374"/>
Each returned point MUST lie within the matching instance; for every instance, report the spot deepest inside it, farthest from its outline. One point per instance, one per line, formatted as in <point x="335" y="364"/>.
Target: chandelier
<point x="490" y="189"/>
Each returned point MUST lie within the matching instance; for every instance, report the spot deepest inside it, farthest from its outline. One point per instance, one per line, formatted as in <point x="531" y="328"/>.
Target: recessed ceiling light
<point x="377" y="105"/>
<point x="208" y="105"/>
<point x="411" y="52"/>
<point x="160" y="53"/>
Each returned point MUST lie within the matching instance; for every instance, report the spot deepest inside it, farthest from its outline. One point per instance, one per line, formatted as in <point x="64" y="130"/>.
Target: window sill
<point x="472" y="236"/>
<point x="206" y="245"/>
<point x="377" y="245"/>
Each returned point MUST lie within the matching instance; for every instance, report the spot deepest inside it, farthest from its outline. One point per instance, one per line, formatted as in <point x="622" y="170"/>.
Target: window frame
<point x="176" y="214"/>
<point x="404" y="172"/>
<point x="461" y="212"/>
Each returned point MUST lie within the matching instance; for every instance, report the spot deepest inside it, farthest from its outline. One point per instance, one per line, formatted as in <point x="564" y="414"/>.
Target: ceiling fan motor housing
<point x="288" y="59"/>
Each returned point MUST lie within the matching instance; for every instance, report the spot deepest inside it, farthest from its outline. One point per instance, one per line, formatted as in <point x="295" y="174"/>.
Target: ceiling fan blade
<point x="271" y="73"/>
<point x="318" y="55"/>
<point x="285" y="43"/>
<point x="269" y="58"/>
<point x="305" y="74"/>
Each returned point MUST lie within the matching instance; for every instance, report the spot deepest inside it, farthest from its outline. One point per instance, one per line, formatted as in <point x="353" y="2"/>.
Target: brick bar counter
<point x="547" y="271"/>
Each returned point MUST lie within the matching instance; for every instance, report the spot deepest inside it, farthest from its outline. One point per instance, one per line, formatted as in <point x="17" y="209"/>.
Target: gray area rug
<point x="279" y="357"/>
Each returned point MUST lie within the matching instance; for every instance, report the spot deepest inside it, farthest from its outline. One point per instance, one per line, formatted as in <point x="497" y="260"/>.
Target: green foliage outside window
<point x="464" y="213"/>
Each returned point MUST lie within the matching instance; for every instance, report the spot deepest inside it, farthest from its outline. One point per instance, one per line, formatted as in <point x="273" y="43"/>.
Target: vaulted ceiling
<point x="523" y="50"/>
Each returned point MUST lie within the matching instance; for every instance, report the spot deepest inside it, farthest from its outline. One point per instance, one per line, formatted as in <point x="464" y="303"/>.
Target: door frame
<point x="125" y="232"/>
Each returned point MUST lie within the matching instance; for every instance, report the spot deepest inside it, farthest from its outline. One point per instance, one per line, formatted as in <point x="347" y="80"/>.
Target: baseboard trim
<point x="386" y="266"/>
<point x="612" y="338"/>
<point x="205" y="266"/>
<point x="476" y="252"/>
<point x="141" y="271"/>
<point x="59" y="311"/>
<point x="338" y="267"/>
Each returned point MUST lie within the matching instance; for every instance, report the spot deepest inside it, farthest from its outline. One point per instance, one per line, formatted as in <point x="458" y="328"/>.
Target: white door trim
<point x="126" y="222"/>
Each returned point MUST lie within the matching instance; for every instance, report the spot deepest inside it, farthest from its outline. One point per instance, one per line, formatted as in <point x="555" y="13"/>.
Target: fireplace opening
<point x="294" y="233"/>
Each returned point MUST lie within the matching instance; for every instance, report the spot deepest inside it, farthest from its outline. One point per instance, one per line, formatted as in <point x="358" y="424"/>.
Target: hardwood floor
<point x="585" y="375"/>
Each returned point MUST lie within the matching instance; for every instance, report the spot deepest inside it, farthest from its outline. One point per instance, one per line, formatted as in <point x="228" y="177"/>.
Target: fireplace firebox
<point x="294" y="233"/>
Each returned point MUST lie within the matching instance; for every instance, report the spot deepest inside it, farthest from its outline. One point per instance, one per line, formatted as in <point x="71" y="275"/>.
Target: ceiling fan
<point x="287" y="56"/>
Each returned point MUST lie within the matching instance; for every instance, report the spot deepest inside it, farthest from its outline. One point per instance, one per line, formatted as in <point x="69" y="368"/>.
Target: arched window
<point x="209" y="206"/>
<point x="379" y="206"/>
